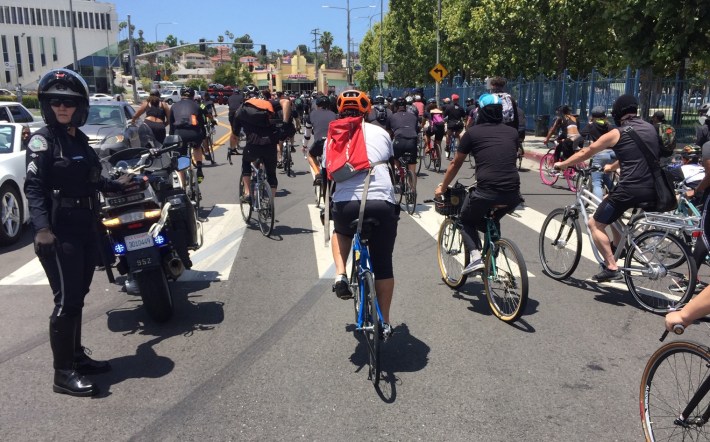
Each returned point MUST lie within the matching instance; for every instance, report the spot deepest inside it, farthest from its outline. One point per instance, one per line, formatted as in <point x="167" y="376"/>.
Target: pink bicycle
<point x="548" y="174"/>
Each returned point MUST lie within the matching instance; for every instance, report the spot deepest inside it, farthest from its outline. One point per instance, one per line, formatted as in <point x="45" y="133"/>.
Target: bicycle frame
<point x="361" y="256"/>
<point x="694" y="401"/>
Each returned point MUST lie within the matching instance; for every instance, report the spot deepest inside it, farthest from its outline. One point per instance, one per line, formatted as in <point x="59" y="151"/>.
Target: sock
<point x="475" y="255"/>
<point x="341" y="277"/>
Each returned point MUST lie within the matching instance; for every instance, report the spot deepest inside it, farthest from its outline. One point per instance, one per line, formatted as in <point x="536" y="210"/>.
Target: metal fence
<point x="540" y="97"/>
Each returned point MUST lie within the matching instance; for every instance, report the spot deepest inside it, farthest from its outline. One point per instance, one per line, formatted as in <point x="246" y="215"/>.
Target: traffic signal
<point x="262" y="52"/>
<point x="203" y="46"/>
<point x="157" y="75"/>
<point x="251" y="67"/>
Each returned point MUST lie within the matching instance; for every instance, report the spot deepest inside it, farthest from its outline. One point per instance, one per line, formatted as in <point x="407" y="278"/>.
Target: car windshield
<point x="7" y="134"/>
<point x="105" y="116"/>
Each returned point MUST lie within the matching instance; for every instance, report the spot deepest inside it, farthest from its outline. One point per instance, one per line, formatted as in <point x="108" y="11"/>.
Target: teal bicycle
<point x="505" y="276"/>
<point x="368" y="317"/>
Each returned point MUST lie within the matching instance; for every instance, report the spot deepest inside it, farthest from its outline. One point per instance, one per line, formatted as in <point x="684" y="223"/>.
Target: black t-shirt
<point x="454" y="113"/>
<point x="495" y="149"/>
<point x="320" y="120"/>
<point x="702" y="134"/>
<point x="595" y="129"/>
<point x="635" y="173"/>
<point x="235" y="100"/>
<point x="372" y="117"/>
<point x="403" y="125"/>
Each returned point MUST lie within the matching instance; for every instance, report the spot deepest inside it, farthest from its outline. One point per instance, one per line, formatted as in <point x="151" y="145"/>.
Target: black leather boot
<point x="66" y="379"/>
<point x="83" y="364"/>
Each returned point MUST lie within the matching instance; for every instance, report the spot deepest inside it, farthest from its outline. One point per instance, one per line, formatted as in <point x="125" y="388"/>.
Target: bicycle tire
<point x="521" y="155"/>
<point x="449" y="251"/>
<point x="287" y="158"/>
<point x="671" y="377"/>
<point x="420" y="153"/>
<point x="437" y="158"/>
<point x="210" y="147"/>
<point x="194" y="190"/>
<point x="265" y="213"/>
<point x="244" y="207"/>
<point x="428" y="157"/>
<point x="560" y="249"/>
<point x="508" y="300"/>
<point x="410" y="195"/>
<point x="666" y="289"/>
<point x="399" y="187"/>
<point x="570" y="176"/>
<point x="372" y="332"/>
<point x="546" y="169"/>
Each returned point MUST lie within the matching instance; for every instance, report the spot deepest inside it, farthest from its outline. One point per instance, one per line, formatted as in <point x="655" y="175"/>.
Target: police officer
<point x="188" y="121"/>
<point x="63" y="177"/>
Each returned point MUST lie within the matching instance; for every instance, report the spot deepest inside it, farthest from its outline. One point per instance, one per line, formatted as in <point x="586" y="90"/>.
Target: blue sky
<point x="279" y="24"/>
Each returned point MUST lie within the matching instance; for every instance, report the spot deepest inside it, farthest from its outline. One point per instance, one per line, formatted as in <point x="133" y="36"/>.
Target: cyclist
<point x="234" y="102"/>
<point x="298" y="108"/>
<point x="404" y="128"/>
<point x="380" y="205"/>
<point x="636" y="185"/>
<point x="702" y="132"/>
<point x="569" y="137"/>
<point x="690" y="170"/>
<point x="454" y="115"/>
<point x="598" y="126"/>
<point x="317" y="124"/>
<point x="379" y="114"/>
<point x="157" y="114"/>
<point x="187" y="121"/>
<point x="208" y="114"/>
<point x="419" y="104"/>
<point x="494" y="146"/>
<point x="510" y="107"/>
<point x="436" y="128"/>
<point x="255" y="118"/>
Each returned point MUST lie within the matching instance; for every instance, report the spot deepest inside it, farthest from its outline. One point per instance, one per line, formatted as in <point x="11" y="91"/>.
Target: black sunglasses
<point x="67" y="102"/>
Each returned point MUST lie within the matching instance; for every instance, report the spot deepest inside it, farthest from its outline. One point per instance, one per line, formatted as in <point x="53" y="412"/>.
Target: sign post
<point x="438" y="73"/>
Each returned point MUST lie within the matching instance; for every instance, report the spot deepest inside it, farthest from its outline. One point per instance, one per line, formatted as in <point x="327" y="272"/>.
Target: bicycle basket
<point x="452" y="202"/>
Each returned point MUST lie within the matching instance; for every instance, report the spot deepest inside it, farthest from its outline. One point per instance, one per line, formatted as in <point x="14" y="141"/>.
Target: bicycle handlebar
<point x="678" y="329"/>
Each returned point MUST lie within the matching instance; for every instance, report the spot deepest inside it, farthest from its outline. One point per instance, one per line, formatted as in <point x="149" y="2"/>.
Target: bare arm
<point x="139" y="112"/>
<point x="606" y="141"/>
<point x="166" y="108"/>
<point x="704" y="184"/>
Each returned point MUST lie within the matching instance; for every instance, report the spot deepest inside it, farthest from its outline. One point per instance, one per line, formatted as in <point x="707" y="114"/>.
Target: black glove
<point x="45" y="243"/>
<point x="127" y="183"/>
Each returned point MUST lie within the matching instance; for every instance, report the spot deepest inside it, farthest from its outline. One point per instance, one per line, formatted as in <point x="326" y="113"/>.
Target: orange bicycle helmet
<point x="353" y="100"/>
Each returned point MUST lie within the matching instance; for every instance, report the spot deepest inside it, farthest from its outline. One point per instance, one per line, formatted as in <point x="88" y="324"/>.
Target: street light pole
<point x="438" y="39"/>
<point x="347" y="60"/>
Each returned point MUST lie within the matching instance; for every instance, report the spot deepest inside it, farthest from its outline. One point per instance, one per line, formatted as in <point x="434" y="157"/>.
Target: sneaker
<point x="208" y="157"/>
<point x="385" y="331"/>
<point x="474" y="266"/>
<point x="200" y="176"/>
<point x="342" y="288"/>
<point x="607" y="275"/>
<point x="279" y="165"/>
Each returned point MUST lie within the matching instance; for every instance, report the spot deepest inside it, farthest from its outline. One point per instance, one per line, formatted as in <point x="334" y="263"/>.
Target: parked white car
<point x="100" y="97"/>
<point x="14" y="212"/>
<point x="11" y="112"/>
<point x="7" y="93"/>
<point x="171" y="96"/>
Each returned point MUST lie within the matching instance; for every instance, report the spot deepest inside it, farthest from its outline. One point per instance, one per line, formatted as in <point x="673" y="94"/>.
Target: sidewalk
<point x="534" y="147"/>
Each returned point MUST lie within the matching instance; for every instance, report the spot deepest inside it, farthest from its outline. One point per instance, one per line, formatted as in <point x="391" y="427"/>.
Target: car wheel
<point x="10" y="214"/>
<point x="169" y="101"/>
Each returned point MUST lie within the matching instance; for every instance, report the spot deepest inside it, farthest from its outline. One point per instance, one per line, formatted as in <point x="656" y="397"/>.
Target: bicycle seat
<point x="406" y="158"/>
<point x="367" y="225"/>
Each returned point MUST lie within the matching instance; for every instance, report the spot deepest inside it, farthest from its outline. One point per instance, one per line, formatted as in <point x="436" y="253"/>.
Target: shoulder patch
<point x="38" y="143"/>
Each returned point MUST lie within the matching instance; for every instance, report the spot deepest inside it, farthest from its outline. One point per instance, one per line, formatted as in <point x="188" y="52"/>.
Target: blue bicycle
<point x="368" y="316"/>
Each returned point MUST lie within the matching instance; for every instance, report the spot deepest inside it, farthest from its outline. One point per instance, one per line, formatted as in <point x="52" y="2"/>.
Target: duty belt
<point x="83" y="202"/>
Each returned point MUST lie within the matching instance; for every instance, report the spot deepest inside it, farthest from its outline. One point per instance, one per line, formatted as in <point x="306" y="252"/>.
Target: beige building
<point x="295" y="75"/>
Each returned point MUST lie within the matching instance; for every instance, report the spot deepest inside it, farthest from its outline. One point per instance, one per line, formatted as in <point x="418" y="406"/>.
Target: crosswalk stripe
<point x="430" y="221"/>
<point x="223" y="234"/>
<point x="324" y="257"/>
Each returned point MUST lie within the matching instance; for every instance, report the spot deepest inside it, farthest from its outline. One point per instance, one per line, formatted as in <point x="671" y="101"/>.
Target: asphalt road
<point x="261" y="349"/>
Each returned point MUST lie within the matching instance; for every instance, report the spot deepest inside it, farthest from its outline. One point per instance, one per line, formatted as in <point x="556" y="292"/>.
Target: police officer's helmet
<point x="323" y="101"/>
<point x="67" y="85"/>
<point x="431" y="101"/>
<point x="187" y="92"/>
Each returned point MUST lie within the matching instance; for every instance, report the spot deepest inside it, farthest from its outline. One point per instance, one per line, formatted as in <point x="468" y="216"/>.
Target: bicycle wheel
<point x="560" y="244"/>
<point x="428" y="159"/>
<point x="420" y="153"/>
<point x="521" y="155"/>
<point x="210" y="147"/>
<point x="571" y="176"/>
<point x="452" y="254"/>
<point x="662" y="272"/>
<point x="371" y="328"/>
<point x="548" y="175"/>
<point x="505" y="280"/>
<point x="399" y="187"/>
<point x="266" y="209"/>
<point x="287" y="159"/>
<point x="410" y="195"/>
<point x="193" y="189"/>
<point x="355" y="288"/>
<point x="671" y="378"/>
<point x="437" y="159"/>
<point x="245" y="207"/>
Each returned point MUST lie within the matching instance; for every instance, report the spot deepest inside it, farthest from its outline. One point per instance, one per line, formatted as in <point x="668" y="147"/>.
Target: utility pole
<point x="382" y="66"/>
<point x="316" y="34"/>
<point x="132" y="60"/>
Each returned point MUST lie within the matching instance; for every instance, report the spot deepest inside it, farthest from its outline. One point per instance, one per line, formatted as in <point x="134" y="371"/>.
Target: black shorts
<point x="455" y="126"/>
<point x="405" y="145"/>
<point x="381" y="243"/>
<point x="288" y="130"/>
<point x="267" y="155"/>
<point x="620" y="200"/>
<point x="316" y="150"/>
<point x="437" y="131"/>
<point x="157" y="128"/>
<point x="189" y="136"/>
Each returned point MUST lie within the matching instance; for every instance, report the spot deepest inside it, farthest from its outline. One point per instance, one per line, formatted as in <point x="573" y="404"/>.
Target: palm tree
<point x="326" y="42"/>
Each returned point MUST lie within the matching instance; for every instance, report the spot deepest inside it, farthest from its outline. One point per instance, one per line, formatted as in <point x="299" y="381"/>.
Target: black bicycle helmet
<point x="625" y="104"/>
<point x="400" y="102"/>
<point x="251" y="91"/>
<point x="63" y="83"/>
<point x="187" y="92"/>
<point x="379" y="99"/>
<point x="323" y="101"/>
<point x="469" y="101"/>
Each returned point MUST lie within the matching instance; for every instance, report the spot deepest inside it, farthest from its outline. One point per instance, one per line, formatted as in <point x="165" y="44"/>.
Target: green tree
<point x="336" y="57"/>
<point x="171" y="41"/>
<point x="326" y="43"/>
<point x="197" y="84"/>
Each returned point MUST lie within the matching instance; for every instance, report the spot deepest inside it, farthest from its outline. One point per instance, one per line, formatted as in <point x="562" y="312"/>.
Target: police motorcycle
<point x="152" y="228"/>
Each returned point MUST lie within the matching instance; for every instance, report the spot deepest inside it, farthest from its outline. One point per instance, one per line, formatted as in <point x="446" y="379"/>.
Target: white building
<point x="36" y="36"/>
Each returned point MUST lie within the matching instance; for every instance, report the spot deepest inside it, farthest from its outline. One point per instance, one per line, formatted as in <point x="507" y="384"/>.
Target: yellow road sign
<point x="438" y="72"/>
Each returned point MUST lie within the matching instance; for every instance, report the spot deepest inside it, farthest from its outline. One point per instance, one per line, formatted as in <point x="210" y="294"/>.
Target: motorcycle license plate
<point x="138" y="241"/>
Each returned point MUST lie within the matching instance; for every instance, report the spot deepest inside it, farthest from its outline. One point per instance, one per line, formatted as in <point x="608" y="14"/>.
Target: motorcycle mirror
<point x="183" y="163"/>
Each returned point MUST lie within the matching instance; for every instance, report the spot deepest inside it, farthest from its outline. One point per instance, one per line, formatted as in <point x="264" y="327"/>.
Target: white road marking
<point x="223" y="234"/>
